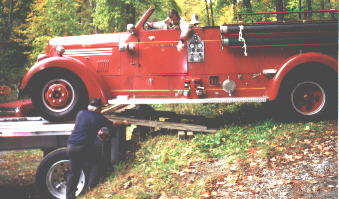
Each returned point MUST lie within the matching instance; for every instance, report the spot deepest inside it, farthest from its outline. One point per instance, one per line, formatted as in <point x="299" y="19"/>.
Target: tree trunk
<point x="235" y="9"/>
<point x="10" y="20"/>
<point x="208" y="15"/>
<point x="329" y="5"/>
<point x="211" y="9"/>
<point x="300" y="16"/>
<point x="248" y="6"/>
<point x="309" y="8"/>
<point x="131" y="14"/>
<point x="322" y="7"/>
<point x="279" y="7"/>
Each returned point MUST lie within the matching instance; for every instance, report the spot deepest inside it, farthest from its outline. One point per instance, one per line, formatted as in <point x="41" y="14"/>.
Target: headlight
<point x="60" y="50"/>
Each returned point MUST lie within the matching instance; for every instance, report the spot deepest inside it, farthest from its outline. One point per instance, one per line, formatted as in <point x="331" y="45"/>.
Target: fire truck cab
<point x="291" y="63"/>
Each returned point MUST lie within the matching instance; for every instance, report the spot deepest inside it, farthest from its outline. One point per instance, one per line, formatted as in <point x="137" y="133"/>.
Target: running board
<point x="126" y="100"/>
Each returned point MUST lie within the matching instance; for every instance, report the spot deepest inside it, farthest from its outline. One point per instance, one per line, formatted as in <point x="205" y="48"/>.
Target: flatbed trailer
<point x="24" y="133"/>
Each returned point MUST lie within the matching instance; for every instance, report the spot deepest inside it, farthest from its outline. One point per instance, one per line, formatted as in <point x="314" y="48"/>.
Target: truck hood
<point x="89" y="41"/>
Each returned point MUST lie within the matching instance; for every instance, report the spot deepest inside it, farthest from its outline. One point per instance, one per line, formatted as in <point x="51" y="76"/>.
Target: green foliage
<point x="51" y="18"/>
<point x="234" y="140"/>
<point x="209" y="110"/>
<point x="114" y="15"/>
<point x="61" y="18"/>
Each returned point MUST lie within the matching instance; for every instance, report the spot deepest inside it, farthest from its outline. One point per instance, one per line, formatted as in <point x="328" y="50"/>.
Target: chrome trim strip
<point x="78" y="55"/>
<point x="271" y="71"/>
<point x="88" y="51"/>
<point x="124" y="100"/>
<point x="9" y="110"/>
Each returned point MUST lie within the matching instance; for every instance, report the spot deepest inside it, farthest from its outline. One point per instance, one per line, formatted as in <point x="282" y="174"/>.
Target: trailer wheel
<point x="59" y="96"/>
<point x="308" y="98"/>
<point x="52" y="174"/>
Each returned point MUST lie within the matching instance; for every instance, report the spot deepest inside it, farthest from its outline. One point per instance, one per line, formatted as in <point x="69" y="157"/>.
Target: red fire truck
<point x="291" y="63"/>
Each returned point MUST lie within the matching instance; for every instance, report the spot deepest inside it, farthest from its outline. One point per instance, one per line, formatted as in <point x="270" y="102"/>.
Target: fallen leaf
<point x="312" y="181"/>
<point x="214" y="193"/>
<point x="233" y="167"/>
<point x="163" y="195"/>
<point x="206" y="194"/>
<point x="221" y="183"/>
<point x="127" y="185"/>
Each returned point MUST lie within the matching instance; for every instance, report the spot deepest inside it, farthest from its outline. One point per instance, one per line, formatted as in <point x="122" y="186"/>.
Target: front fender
<point x="295" y="61"/>
<point x="94" y="84"/>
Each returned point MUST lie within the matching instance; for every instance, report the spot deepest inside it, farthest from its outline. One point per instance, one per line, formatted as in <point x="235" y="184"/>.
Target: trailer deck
<point x="32" y="133"/>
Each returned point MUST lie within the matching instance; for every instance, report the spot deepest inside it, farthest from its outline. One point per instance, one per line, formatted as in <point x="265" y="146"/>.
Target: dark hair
<point x="96" y="102"/>
<point x="173" y="13"/>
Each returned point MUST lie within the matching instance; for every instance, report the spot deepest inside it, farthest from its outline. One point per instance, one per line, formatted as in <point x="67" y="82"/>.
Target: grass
<point x="165" y="166"/>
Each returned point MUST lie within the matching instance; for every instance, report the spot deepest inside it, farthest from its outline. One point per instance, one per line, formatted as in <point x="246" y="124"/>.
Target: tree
<point x="51" y="18"/>
<point x="247" y="5"/>
<point x="208" y="14"/>
<point x="309" y="8"/>
<point x="114" y="15"/>
<point x="279" y="6"/>
<point x="2" y="23"/>
<point x="211" y="9"/>
<point x="12" y="46"/>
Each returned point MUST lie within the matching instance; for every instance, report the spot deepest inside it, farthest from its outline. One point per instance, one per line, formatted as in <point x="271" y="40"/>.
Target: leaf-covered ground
<point x="306" y="169"/>
<point x="17" y="174"/>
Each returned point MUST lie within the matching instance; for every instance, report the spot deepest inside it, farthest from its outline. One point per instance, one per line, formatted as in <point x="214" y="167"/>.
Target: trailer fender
<point x="94" y="84"/>
<point x="295" y="61"/>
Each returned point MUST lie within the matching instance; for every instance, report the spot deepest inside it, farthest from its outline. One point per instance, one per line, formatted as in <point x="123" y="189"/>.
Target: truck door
<point x="158" y="53"/>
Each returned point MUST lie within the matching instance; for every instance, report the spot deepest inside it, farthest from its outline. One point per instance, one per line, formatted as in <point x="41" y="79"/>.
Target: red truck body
<point x="17" y="108"/>
<point x="231" y="63"/>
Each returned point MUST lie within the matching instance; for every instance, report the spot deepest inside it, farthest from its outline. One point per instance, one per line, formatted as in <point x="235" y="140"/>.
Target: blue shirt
<point x="87" y="125"/>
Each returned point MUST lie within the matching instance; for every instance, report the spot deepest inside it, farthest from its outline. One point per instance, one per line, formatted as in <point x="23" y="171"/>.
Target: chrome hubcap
<point x="56" y="179"/>
<point x="308" y="98"/>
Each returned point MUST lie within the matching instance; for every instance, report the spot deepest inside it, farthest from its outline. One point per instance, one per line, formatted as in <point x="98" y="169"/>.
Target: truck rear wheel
<point x="59" y="96"/>
<point x="308" y="98"/>
<point x="52" y="174"/>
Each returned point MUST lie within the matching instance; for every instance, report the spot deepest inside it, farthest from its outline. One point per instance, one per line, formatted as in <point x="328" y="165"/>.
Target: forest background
<point x="27" y="25"/>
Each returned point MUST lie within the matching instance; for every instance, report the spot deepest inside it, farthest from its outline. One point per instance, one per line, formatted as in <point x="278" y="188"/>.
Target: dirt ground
<point x="307" y="171"/>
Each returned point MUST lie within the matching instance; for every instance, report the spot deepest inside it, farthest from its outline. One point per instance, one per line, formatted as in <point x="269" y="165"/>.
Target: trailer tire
<point x="51" y="175"/>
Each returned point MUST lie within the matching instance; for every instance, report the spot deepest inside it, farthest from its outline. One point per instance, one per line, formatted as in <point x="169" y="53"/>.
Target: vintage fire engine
<point x="292" y="64"/>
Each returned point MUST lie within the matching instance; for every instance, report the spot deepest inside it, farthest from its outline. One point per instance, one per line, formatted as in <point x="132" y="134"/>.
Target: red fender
<point x="295" y="61"/>
<point x="94" y="84"/>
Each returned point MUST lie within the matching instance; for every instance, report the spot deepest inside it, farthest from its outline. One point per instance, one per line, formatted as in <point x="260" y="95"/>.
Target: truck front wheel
<point x="59" y="96"/>
<point x="52" y="174"/>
